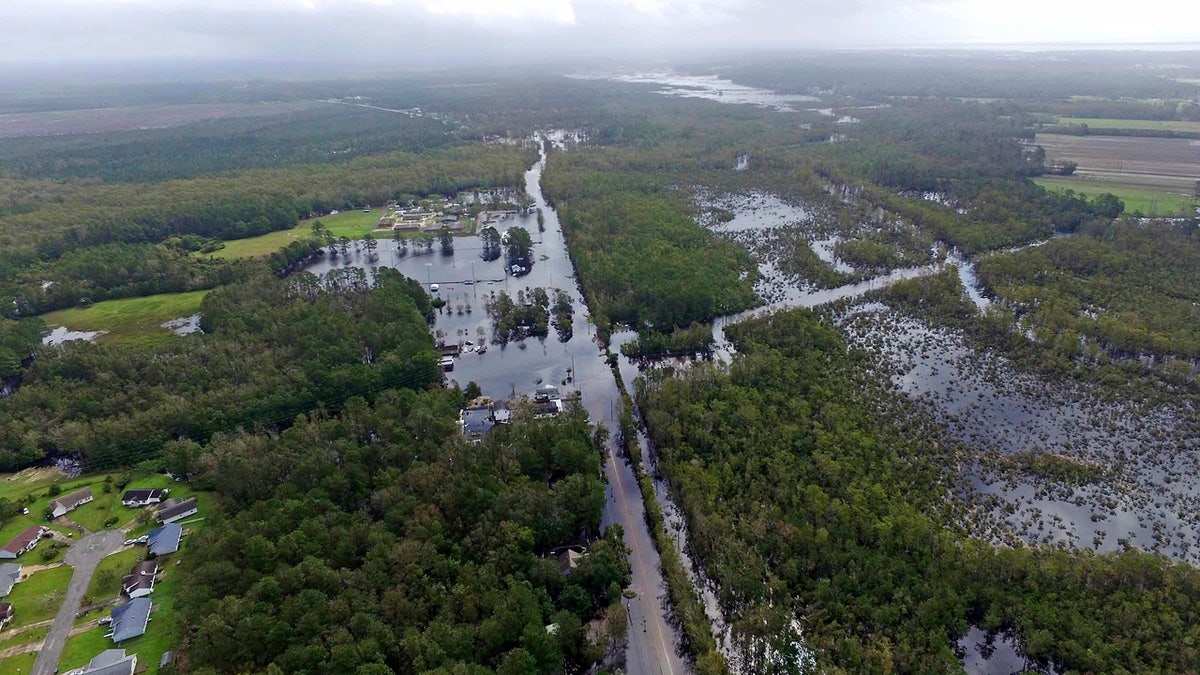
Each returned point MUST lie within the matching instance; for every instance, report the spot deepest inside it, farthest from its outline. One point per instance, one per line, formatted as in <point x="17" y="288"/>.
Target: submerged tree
<point x="447" y="241"/>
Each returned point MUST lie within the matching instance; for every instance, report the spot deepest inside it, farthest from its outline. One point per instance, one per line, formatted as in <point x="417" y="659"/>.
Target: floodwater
<point x="185" y="325"/>
<point x="712" y="88"/>
<point x="573" y="362"/>
<point x="63" y="334"/>
<point x="1139" y="452"/>
<point x="994" y="654"/>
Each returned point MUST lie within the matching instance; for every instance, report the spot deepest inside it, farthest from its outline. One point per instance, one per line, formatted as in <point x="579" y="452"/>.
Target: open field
<point x="22" y="663"/>
<point x="38" y="597"/>
<point x="129" y="319"/>
<point x="352" y="224"/>
<point x="1165" y="164"/>
<point x="1147" y="201"/>
<point x="1152" y="125"/>
<point x="100" y="120"/>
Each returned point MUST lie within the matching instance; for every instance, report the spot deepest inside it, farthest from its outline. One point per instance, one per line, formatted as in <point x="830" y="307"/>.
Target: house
<point x="130" y="620"/>
<point x="569" y="559"/>
<point x="476" y="422"/>
<point x="111" y="662"/>
<point x="6" y="613"/>
<point x="26" y="541"/>
<point x="64" y="505"/>
<point x="135" y="499"/>
<point x="551" y="408"/>
<point x="140" y="580"/>
<point x="165" y="539"/>
<point x="10" y="574"/>
<point x="175" y="509"/>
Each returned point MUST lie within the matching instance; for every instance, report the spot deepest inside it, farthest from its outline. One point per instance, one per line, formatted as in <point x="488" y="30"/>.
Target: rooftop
<point x="165" y="539"/>
<point x="130" y="620"/>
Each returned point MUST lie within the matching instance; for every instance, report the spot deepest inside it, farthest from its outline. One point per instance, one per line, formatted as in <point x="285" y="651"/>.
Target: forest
<point x="271" y="349"/>
<point x="811" y="491"/>
<point x="377" y="542"/>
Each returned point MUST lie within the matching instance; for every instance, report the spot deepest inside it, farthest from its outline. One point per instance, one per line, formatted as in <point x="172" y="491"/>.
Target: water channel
<point x="465" y="280"/>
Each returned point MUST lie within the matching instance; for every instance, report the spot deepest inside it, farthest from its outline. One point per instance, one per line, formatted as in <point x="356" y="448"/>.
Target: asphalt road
<point x="84" y="556"/>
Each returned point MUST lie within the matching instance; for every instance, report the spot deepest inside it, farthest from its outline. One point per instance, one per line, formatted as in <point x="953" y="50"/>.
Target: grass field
<point x="352" y="224"/>
<point x="1144" y="200"/>
<point x="38" y="597"/>
<point x="129" y="319"/>
<point x="1152" y="125"/>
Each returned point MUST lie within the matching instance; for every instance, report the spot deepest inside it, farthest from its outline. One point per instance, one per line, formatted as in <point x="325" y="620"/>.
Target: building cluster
<point x="431" y="217"/>
<point x="480" y="415"/>
<point x="132" y="615"/>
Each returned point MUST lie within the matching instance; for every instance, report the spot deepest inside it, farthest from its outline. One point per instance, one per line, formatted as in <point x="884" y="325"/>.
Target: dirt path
<point x="84" y="556"/>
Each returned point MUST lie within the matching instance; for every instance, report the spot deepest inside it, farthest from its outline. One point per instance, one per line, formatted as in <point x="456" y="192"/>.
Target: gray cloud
<point x="421" y="34"/>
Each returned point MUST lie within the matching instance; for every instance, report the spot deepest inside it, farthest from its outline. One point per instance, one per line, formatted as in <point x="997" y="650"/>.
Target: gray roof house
<point x="111" y="662"/>
<point x="175" y="509"/>
<point x="143" y="497"/>
<point x="64" y="505"/>
<point x="10" y="574"/>
<point x="130" y="620"/>
<point x="165" y="539"/>
<point x="140" y="580"/>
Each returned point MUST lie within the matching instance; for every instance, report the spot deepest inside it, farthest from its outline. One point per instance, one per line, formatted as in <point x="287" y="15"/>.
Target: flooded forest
<point x="788" y="365"/>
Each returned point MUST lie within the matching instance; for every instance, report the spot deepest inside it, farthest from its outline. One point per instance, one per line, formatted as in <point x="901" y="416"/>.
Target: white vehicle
<point x="433" y="288"/>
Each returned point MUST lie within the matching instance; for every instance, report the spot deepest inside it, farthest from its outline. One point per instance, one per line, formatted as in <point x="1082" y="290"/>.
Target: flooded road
<point x="573" y="362"/>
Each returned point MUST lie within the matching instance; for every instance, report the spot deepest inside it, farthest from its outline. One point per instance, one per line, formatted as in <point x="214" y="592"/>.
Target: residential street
<point x="84" y="556"/>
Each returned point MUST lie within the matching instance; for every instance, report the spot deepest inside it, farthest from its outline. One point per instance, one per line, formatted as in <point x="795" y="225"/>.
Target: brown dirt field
<point x="100" y="120"/>
<point x="1166" y="163"/>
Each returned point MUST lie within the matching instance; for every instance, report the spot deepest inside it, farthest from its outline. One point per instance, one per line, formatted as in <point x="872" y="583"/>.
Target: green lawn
<point x="18" y="664"/>
<point x="38" y="597"/>
<point x="352" y="224"/>
<point x="1153" y="125"/>
<point x="1145" y="200"/>
<point x="106" y="582"/>
<point x="41" y="501"/>
<point x="162" y="634"/>
<point x="129" y="319"/>
<point x="28" y="637"/>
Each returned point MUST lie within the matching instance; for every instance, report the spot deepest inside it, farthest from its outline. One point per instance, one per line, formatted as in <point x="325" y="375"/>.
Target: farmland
<point x="1150" y="125"/>
<point x="1163" y="164"/>
<point x="100" y="120"/>
<point x="1142" y="200"/>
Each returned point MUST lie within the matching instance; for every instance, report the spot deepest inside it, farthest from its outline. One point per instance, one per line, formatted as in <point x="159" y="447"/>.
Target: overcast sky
<point x="427" y="33"/>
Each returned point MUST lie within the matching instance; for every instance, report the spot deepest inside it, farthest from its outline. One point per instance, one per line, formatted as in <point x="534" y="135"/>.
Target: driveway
<point x="84" y="556"/>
